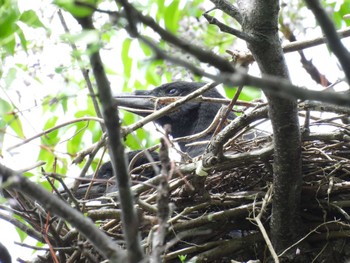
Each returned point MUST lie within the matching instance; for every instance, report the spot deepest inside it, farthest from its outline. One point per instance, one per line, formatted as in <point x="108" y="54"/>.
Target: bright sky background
<point x="55" y="54"/>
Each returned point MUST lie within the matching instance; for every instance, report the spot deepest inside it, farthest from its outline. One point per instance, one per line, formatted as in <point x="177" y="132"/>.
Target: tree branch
<point x="287" y="176"/>
<point x="201" y="54"/>
<point x="53" y="129"/>
<point x="116" y="152"/>
<point x="328" y="29"/>
<point x="84" y="72"/>
<point x="225" y="28"/>
<point x="303" y="44"/>
<point x="53" y="204"/>
<point x="307" y="64"/>
<point x="228" y="8"/>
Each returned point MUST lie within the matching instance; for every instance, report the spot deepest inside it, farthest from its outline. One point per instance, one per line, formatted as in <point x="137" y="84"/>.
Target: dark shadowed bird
<point x="142" y="172"/>
<point x="191" y="118"/>
<point x="4" y="255"/>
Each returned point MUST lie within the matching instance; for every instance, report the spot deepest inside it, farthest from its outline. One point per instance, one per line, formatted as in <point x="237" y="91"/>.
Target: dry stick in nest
<point x="227" y="112"/>
<point x="266" y="200"/>
<point x="58" y="207"/>
<point x="162" y="200"/>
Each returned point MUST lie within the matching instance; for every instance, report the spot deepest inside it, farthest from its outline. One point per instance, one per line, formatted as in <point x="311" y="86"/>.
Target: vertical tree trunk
<point x="260" y="20"/>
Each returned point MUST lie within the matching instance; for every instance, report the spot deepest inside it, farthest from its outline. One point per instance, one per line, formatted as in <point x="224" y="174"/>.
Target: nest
<point x="216" y="218"/>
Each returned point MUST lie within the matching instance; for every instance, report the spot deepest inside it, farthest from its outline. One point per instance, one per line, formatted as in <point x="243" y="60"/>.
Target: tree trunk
<point x="260" y="21"/>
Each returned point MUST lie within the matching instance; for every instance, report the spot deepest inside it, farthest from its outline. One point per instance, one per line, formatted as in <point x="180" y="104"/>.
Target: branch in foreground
<point x="168" y="108"/>
<point x="229" y="9"/>
<point x="83" y="71"/>
<point x="225" y="28"/>
<point x="58" y="207"/>
<point x="308" y="65"/>
<point x="53" y="129"/>
<point x="303" y="44"/>
<point x="201" y="54"/>
<point x="279" y="86"/>
<point x="116" y="152"/>
<point x="282" y="88"/>
<point x="295" y="46"/>
<point x="275" y="84"/>
<point x="163" y="200"/>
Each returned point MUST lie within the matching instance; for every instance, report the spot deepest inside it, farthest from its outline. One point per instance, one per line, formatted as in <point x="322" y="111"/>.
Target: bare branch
<point x="228" y="8"/>
<point x="205" y="56"/>
<point x="225" y="28"/>
<point x="328" y="29"/>
<point x="303" y="44"/>
<point x="215" y="147"/>
<point x="116" y="152"/>
<point x="297" y="45"/>
<point x="307" y="64"/>
<point x="84" y="72"/>
<point x="53" y="129"/>
<point x="163" y="199"/>
<point x="58" y="207"/>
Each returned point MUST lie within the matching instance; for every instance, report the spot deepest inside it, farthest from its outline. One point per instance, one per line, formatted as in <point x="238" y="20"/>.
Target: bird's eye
<point x="172" y="92"/>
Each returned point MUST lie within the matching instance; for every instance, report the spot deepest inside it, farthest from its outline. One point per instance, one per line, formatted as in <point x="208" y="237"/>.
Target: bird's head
<point x="144" y="102"/>
<point x="190" y="118"/>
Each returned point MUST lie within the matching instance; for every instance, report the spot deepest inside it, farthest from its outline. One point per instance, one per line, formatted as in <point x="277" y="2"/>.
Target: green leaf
<point x="76" y="10"/>
<point x="75" y="143"/>
<point x="9" y="44"/>
<point x="22" y="38"/>
<point x="9" y="15"/>
<point x="247" y="94"/>
<point x="64" y="103"/>
<point x="15" y="123"/>
<point x="46" y="155"/>
<point x="31" y="19"/>
<point x="45" y="184"/>
<point x="22" y="235"/>
<point x="10" y="77"/>
<point x="5" y="107"/>
<point x="39" y="244"/>
<point x="152" y="75"/>
<point x="345" y="10"/>
<point x="28" y="174"/>
<point x="172" y="16"/>
<point x="145" y="48"/>
<point x="250" y="93"/>
<point x="61" y="69"/>
<point x="127" y="61"/>
<point x="50" y="138"/>
<point x="160" y="12"/>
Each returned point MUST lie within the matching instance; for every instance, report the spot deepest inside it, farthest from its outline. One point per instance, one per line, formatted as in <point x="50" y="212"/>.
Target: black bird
<point x="106" y="172"/>
<point x="191" y="118"/>
<point x="5" y="256"/>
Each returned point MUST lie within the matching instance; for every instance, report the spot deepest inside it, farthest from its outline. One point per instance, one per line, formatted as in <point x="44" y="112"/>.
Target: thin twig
<point x="328" y="28"/>
<point x="84" y="72"/>
<point x="53" y="129"/>
<point x="257" y="219"/>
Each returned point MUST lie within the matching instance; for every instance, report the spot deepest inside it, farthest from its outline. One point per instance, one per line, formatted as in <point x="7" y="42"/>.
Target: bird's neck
<point x="200" y="120"/>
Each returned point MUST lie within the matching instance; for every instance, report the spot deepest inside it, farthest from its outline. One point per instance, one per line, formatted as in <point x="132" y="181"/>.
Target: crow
<point x="191" y="118"/>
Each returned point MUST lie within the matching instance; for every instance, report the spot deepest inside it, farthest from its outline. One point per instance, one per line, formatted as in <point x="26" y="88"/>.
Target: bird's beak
<point x="139" y="104"/>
